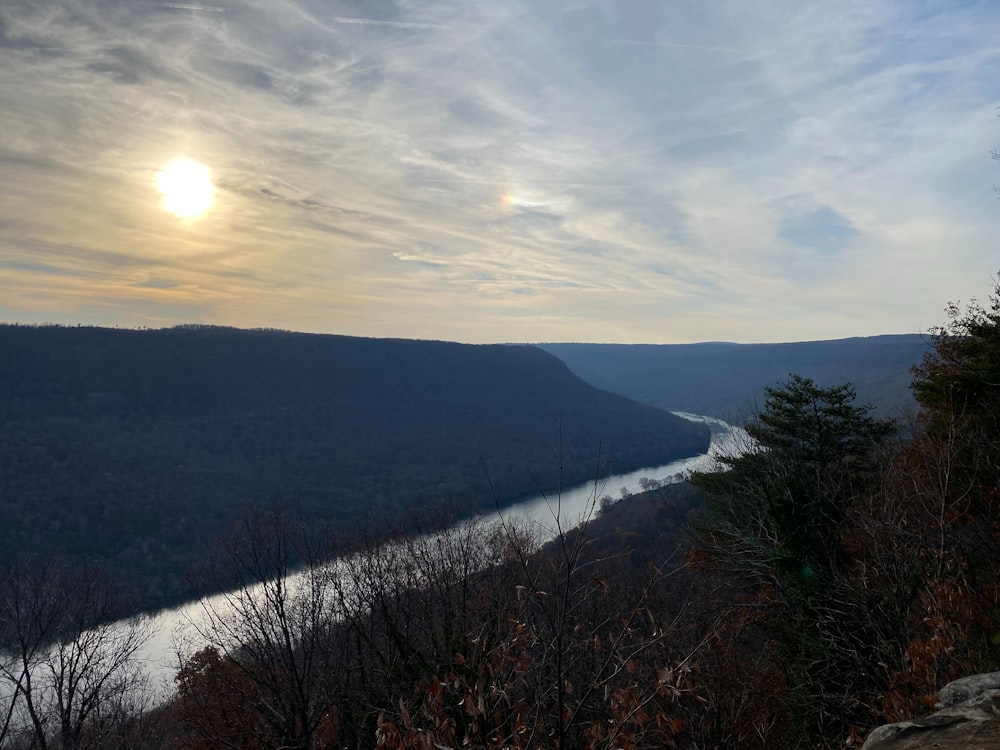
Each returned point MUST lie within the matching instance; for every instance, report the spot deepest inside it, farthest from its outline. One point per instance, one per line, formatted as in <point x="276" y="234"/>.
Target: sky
<point x="657" y="171"/>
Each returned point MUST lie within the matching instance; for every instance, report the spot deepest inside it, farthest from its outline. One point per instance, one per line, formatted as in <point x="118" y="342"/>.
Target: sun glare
<point x="186" y="187"/>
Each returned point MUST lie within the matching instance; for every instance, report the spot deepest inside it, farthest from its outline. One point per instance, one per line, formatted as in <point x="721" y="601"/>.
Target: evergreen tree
<point x="776" y="522"/>
<point x="812" y="450"/>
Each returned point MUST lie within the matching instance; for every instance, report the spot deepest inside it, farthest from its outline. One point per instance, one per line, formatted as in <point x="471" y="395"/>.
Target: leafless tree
<point x="72" y="675"/>
<point x="553" y="653"/>
<point x="267" y="643"/>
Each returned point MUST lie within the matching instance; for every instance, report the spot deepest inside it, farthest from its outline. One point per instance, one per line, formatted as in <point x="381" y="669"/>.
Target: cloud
<point x="389" y="24"/>
<point x="189" y="6"/>
<point x="128" y="64"/>
<point x="608" y="170"/>
<point x="820" y="228"/>
<point x="234" y="72"/>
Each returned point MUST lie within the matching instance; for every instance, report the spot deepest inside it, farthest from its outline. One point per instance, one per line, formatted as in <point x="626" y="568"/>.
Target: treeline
<point x="138" y="449"/>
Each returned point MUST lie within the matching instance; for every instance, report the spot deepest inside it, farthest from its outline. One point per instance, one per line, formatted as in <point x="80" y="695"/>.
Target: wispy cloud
<point x="584" y="170"/>
<point x="389" y="24"/>
<point x="189" y="6"/>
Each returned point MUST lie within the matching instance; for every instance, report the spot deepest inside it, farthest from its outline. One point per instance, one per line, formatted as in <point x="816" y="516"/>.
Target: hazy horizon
<point x="540" y="343"/>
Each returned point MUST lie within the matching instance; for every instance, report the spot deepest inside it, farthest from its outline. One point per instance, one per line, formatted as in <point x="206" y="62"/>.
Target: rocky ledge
<point x="968" y="718"/>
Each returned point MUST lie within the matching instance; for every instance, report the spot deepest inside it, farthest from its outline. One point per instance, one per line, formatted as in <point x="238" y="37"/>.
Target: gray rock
<point x="966" y="688"/>
<point x="968" y="719"/>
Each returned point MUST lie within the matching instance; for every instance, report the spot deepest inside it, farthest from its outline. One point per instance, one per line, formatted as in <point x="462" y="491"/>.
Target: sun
<point x="186" y="187"/>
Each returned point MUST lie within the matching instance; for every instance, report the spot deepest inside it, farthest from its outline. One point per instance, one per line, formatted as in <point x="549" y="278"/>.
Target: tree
<point x="776" y="522"/>
<point x="546" y="648"/>
<point x="785" y="495"/>
<point x="477" y="635"/>
<point x="74" y="677"/>
<point x="958" y="388"/>
<point x="268" y="665"/>
<point x="953" y="488"/>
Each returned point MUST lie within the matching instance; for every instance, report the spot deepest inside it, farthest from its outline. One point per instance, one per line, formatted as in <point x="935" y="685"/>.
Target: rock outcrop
<point x="968" y="718"/>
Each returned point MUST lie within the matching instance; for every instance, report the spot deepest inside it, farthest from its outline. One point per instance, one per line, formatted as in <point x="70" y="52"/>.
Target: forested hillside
<point x="140" y="447"/>
<point x="725" y="380"/>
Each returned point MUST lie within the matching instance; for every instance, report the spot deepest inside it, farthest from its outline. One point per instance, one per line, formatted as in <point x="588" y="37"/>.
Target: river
<point x="547" y="515"/>
<point x="544" y="513"/>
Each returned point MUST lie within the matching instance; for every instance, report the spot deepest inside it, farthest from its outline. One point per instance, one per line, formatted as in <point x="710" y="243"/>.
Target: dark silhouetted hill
<point x="725" y="380"/>
<point x="140" y="447"/>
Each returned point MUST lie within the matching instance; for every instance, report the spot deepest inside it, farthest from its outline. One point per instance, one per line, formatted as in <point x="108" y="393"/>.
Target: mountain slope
<point x="724" y="380"/>
<point x="140" y="447"/>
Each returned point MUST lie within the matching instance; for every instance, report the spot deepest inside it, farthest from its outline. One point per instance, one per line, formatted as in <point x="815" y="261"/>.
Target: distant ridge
<point x="725" y="379"/>
<point x="140" y="447"/>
